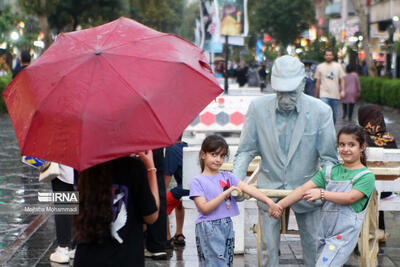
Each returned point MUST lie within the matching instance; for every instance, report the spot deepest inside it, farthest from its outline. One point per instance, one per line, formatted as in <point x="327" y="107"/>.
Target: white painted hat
<point x="287" y="74"/>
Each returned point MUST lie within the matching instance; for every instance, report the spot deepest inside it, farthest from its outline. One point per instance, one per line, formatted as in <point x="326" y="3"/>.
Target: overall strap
<point x="359" y="175"/>
<point x="328" y="171"/>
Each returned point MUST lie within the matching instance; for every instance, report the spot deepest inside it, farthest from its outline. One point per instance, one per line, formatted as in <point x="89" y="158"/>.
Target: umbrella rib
<point x="147" y="102"/>
<point x="138" y="40"/>
<point x="77" y="40"/>
<point x="112" y="32"/>
<point x="167" y="61"/>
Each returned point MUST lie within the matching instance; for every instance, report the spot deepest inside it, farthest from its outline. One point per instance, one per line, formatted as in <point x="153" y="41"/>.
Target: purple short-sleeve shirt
<point x="210" y="186"/>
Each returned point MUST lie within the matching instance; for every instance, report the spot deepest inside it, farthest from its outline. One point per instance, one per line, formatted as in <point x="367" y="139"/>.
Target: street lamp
<point x="391" y="30"/>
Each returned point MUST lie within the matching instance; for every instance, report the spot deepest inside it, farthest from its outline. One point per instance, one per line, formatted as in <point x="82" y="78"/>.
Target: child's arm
<point x="296" y="195"/>
<point x="257" y="194"/>
<point x="207" y="207"/>
<point x="343" y="198"/>
<point x="254" y="192"/>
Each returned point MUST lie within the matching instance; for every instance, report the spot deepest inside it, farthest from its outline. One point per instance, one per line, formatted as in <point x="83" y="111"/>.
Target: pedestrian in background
<point x="63" y="183"/>
<point x="262" y="73"/>
<point x="173" y="167"/>
<point x="25" y="61"/>
<point x="116" y="198"/>
<point x="353" y="90"/>
<point x="156" y="233"/>
<point x="330" y="85"/>
<point x="370" y="117"/>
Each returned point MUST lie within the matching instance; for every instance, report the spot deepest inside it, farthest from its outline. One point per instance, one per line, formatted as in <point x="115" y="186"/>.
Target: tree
<point x="284" y="20"/>
<point x="68" y="15"/>
<point x="41" y="8"/>
<point x="162" y="15"/>
<point x="188" y="24"/>
<point x="361" y="7"/>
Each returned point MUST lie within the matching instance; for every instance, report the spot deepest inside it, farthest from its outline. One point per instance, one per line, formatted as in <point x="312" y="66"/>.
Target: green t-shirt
<point x="365" y="184"/>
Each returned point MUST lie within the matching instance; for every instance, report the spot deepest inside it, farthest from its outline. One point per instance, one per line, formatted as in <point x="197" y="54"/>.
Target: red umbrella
<point x="105" y="92"/>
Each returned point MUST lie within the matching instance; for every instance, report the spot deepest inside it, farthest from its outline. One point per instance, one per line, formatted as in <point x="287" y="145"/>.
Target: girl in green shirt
<point x="345" y="190"/>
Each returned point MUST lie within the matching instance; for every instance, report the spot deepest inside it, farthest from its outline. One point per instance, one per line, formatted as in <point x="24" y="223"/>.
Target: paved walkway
<point x="29" y="240"/>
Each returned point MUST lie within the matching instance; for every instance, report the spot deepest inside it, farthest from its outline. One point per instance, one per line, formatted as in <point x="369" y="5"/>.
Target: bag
<point x="49" y="171"/>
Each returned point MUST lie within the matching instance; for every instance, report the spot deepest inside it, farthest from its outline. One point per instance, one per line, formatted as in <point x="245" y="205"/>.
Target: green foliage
<point x="380" y="90"/>
<point x="188" y="24"/>
<point x="316" y="50"/>
<point x="162" y="15"/>
<point x="284" y="20"/>
<point x="67" y="15"/>
<point x="34" y="7"/>
<point x="4" y="81"/>
<point x="8" y="23"/>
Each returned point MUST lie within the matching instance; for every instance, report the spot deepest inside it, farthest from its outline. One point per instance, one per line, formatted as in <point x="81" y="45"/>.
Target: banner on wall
<point x="233" y="17"/>
<point x="211" y="25"/>
<point x="219" y="18"/>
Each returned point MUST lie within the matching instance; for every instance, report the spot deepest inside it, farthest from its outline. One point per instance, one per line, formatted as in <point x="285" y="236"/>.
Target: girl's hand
<point x="275" y="210"/>
<point x="312" y="194"/>
<point x="147" y="158"/>
<point x="229" y="191"/>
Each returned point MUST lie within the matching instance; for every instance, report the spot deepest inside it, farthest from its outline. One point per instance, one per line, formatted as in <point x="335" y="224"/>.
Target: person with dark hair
<point x="173" y="167"/>
<point x="156" y="233"/>
<point x="63" y="183"/>
<point x="115" y="199"/>
<point x="330" y="85"/>
<point x="25" y="61"/>
<point x="211" y="192"/>
<point x="370" y="117"/>
<point x="353" y="90"/>
<point x="345" y="190"/>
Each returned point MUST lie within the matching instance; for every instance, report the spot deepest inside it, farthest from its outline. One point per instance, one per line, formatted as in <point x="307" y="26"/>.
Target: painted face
<point x="288" y="100"/>
<point x="213" y="160"/>
<point x="349" y="148"/>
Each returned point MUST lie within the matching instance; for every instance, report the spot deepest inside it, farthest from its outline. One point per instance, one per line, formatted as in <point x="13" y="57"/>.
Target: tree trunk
<point x="44" y="26"/>
<point x="360" y="8"/>
<point x="43" y="23"/>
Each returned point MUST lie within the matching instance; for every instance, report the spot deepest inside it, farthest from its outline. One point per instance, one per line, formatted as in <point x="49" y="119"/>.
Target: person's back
<point x="25" y="61"/>
<point x="253" y="78"/>
<point x="131" y="196"/>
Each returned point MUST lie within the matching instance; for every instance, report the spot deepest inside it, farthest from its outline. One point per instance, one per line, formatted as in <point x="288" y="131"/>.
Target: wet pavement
<point x="28" y="240"/>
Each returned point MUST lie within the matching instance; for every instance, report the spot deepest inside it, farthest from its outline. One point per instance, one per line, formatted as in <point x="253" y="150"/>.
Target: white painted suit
<point x="310" y="140"/>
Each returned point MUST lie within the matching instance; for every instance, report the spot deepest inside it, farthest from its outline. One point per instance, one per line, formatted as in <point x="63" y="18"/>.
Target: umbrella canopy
<point x="105" y="92"/>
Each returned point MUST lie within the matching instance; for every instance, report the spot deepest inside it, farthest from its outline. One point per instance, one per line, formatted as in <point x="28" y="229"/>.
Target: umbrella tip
<point x="98" y="52"/>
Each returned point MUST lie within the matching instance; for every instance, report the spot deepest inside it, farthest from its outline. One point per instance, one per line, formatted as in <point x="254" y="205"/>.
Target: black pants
<point x="381" y="216"/>
<point x="351" y="107"/>
<point x="63" y="222"/>
<point x="156" y="235"/>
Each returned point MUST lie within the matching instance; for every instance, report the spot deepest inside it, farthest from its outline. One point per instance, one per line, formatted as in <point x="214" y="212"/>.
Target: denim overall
<point x="340" y="226"/>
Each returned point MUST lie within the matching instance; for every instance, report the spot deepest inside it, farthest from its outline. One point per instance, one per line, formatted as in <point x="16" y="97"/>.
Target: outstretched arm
<point x="296" y="195"/>
<point x="257" y="194"/>
<point x="343" y="198"/>
<point x="208" y="206"/>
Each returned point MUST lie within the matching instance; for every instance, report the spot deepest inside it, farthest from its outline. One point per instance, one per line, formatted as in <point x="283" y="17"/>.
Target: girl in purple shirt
<point x="211" y="192"/>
